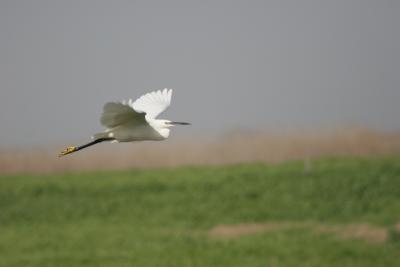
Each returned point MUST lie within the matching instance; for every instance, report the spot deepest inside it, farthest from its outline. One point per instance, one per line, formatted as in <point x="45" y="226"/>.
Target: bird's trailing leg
<point x="72" y="149"/>
<point x="68" y="150"/>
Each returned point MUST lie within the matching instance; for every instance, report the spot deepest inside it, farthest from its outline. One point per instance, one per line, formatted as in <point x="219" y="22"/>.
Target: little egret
<point x="128" y="121"/>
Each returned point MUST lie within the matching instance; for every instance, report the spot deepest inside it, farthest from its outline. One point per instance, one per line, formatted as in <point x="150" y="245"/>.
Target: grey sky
<point x="232" y="64"/>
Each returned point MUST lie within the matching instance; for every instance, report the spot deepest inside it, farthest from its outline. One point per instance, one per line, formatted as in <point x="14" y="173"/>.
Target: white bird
<point x="128" y="121"/>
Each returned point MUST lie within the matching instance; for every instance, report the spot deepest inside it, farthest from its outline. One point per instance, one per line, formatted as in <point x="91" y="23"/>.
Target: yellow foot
<point x="68" y="150"/>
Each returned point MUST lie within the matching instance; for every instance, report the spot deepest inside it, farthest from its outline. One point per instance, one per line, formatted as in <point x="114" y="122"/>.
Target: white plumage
<point x="153" y="104"/>
<point x="128" y="121"/>
<point x="134" y="121"/>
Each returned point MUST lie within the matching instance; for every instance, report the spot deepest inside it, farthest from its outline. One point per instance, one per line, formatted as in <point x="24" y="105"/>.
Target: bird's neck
<point x="160" y="127"/>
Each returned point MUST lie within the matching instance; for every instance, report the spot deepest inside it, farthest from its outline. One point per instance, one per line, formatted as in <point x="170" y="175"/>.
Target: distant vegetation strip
<point x="236" y="147"/>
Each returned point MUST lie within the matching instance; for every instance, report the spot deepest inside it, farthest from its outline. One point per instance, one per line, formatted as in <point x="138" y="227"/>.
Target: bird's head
<point x="163" y="126"/>
<point x="166" y="124"/>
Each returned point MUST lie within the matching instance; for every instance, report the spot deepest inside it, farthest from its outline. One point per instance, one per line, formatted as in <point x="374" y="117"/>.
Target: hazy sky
<point x="232" y="64"/>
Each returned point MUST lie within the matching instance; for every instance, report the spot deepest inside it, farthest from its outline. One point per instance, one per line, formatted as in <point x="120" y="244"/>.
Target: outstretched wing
<point x="153" y="103"/>
<point x="115" y="113"/>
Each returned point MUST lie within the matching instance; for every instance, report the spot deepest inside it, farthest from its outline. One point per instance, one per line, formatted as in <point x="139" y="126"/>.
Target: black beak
<point x="179" y="123"/>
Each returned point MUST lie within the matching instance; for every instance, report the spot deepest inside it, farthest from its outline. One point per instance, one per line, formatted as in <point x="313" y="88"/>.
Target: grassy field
<point x="335" y="212"/>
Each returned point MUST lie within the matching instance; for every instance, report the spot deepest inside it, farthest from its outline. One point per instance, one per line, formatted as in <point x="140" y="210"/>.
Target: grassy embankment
<point x="340" y="212"/>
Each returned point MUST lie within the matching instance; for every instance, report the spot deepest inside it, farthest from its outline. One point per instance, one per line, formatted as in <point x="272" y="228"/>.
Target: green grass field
<point x="341" y="212"/>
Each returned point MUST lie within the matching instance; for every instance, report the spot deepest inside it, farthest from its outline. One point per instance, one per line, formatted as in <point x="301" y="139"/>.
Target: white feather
<point x="115" y="114"/>
<point x="135" y="120"/>
<point x="154" y="103"/>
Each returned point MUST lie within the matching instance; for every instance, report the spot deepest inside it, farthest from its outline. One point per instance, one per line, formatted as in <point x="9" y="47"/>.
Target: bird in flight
<point x="129" y="121"/>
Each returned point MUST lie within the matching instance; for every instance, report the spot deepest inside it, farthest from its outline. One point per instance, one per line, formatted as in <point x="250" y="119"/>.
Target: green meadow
<point x="335" y="212"/>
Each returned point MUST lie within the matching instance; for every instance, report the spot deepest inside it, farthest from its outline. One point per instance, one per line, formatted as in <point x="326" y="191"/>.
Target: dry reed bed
<point x="233" y="148"/>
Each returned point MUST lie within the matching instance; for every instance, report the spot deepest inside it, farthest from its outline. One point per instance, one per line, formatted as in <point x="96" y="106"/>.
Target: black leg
<point x="72" y="149"/>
